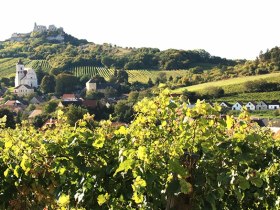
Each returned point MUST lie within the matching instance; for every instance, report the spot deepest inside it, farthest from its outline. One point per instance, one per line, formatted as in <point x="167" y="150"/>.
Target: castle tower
<point x="19" y="73"/>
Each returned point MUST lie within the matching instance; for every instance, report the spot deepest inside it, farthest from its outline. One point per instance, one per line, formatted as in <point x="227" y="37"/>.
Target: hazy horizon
<point x="233" y="29"/>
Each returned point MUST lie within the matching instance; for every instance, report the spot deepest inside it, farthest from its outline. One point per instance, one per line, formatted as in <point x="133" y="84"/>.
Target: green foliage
<point x="167" y="153"/>
<point x="9" y="117"/>
<point x="74" y="113"/>
<point x="65" y="83"/>
<point x="48" y="84"/>
<point x="50" y="107"/>
<point x="93" y="95"/>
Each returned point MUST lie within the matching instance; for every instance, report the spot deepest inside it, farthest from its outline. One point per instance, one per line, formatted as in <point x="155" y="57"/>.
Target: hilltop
<point x="63" y="51"/>
<point x="52" y="50"/>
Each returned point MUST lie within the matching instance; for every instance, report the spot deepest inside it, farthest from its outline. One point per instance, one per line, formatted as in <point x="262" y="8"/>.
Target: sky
<point x="234" y="29"/>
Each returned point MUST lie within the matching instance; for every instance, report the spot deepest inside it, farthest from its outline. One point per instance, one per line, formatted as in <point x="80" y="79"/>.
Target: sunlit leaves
<point x="101" y="199"/>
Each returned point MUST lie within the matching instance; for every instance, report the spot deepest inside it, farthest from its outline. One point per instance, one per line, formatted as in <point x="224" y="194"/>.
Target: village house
<point x="49" y="124"/>
<point x="225" y="104"/>
<point x="63" y="104"/>
<point x="274" y="105"/>
<point x="34" y="113"/>
<point x="13" y="105"/>
<point x="262" y="105"/>
<point x="36" y="100"/>
<point x="23" y="90"/>
<point x="90" y="104"/>
<point x="237" y="106"/>
<point x="251" y="106"/>
<point x="69" y="97"/>
<point x="92" y="85"/>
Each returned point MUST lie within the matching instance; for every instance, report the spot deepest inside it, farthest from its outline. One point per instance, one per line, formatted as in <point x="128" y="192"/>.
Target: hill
<point x="234" y="85"/>
<point x="53" y="50"/>
<point x="65" y="52"/>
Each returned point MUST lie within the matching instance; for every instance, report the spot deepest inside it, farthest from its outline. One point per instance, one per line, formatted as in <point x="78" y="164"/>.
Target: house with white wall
<point x="237" y="106"/>
<point x="23" y="90"/>
<point x="251" y="106"/>
<point x="226" y="104"/>
<point x="262" y="105"/>
<point x="274" y="105"/>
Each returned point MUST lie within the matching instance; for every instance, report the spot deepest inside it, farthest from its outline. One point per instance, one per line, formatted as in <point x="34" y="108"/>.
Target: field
<point x="7" y="69"/>
<point x="234" y="85"/>
<point x="133" y="75"/>
<point x="40" y="64"/>
<point x="245" y="97"/>
<point x="8" y="66"/>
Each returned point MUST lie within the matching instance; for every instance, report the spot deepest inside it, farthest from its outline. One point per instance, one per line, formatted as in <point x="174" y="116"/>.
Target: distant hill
<point x="233" y="85"/>
<point x="53" y="50"/>
<point x="64" y="52"/>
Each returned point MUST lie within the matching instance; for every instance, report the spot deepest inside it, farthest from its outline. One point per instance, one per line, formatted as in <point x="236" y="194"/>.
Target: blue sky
<point x="227" y="28"/>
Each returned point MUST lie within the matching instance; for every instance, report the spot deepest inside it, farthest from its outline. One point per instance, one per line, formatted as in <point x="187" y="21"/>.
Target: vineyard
<point x="40" y="64"/>
<point x="133" y="75"/>
<point x="246" y="97"/>
<point x="234" y="85"/>
<point x="8" y="65"/>
<point x="168" y="157"/>
<point x="92" y="71"/>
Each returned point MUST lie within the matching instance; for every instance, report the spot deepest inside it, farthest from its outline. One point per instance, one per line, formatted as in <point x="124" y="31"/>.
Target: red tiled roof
<point x="90" y="103"/>
<point x="68" y="96"/>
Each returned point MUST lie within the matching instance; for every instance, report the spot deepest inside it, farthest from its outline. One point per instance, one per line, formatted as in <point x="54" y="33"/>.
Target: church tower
<point x="19" y="73"/>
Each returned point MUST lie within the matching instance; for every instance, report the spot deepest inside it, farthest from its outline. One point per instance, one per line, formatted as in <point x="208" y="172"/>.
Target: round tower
<point x="19" y="73"/>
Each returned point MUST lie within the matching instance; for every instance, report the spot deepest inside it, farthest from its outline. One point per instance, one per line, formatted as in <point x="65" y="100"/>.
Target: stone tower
<point x="19" y="73"/>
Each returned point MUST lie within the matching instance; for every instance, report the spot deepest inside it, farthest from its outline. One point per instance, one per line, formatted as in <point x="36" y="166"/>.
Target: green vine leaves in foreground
<point x="170" y="156"/>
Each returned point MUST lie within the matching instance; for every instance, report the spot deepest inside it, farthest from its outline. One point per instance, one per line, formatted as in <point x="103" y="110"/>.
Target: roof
<point x="67" y="103"/>
<point x="19" y="62"/>
<point x="274" y="103"/>
<point x="69" y="96"/>
<point x="262" y="102"/>
<point x="226" y="103"/>
<point x="38" y="98"/>
<point x="91" y="81"/>
<point x="252" y="102"/>
<point x="175" y="94"/>
<point x="26" y="86"/>
<point x="90" y="103"/>
<point x="238" y="103"/>
<point x="105" y="85"/>
<point x="12" y="103"/>
<point x="49" y="123"/>
<point x="35" y="113"/>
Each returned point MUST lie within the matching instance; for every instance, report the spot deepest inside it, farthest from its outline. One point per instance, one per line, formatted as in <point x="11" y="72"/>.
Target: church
<point x="25" y="80"/>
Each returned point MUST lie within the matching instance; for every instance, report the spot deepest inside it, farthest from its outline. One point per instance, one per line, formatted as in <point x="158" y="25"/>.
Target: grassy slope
<point x="231" y="85"/>
<point x="7" y="69"/>
<point x="246" y="97"/>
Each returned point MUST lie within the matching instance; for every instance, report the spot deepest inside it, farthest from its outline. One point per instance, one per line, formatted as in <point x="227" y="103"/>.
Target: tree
<point x="168" y="157"/>
<point x="40" y="75"/>
<point x="50" y="107"/>
<point x="65" y="83"/>
<point x="107" y="61"/>
<point x="123" y="111"/>
<point x="48" y="84"/>
<point x="150" y="82"/>
<point x="74" y="113"/>
<point x="93" y="95"/>
<point x="122" y="77"/>
<point x="10" y="120"/>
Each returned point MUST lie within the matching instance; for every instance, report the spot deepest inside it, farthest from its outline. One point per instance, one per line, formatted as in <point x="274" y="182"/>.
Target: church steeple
<point x="19" y="62"/>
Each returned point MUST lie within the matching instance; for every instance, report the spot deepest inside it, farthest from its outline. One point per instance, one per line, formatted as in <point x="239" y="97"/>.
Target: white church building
<point x="25" y="80"/>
